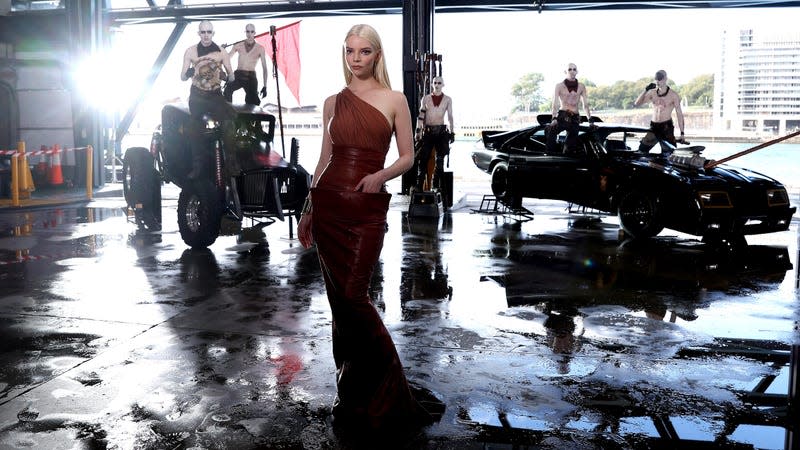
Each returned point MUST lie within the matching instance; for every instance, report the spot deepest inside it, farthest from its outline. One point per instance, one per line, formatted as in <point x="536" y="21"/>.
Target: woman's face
<point x="360" y="56"/>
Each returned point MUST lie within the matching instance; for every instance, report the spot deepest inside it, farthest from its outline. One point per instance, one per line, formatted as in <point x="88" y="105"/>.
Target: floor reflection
<point x="423" y="274"/>
<point x="642" y="275"/>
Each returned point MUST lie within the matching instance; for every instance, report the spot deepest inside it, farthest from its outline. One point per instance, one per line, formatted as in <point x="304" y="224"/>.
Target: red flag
<point x="287" y="54"/>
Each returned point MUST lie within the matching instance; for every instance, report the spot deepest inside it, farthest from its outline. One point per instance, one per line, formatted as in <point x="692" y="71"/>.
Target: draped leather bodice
<point x="360" y="135"/>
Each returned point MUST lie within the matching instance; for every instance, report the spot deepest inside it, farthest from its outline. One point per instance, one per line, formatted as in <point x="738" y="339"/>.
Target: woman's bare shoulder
<point x="331" y="99"/>
<point x="330" y="102"/>
<point x="398" y="99"/>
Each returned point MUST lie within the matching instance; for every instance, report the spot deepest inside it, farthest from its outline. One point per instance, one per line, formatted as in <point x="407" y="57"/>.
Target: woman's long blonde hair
<point x="379" y="70"/>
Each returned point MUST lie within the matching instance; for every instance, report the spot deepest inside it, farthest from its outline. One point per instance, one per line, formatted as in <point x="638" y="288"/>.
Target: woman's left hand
<point x="304" y="231"/>
<point x="370" y="184"/>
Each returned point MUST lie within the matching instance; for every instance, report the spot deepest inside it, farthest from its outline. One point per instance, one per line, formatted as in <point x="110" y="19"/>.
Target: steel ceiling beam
<point x="172" y="13"/>
<point x="253" y="11"/>
<point x="565" y="5"/>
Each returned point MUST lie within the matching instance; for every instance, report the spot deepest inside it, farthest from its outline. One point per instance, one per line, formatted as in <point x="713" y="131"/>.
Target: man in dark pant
<point x="664" y="101"/>
<point x="203" y="64"/>
<point x="438" y="137"/>
<point x="432" y="132"/>
<point x="250" y="53"/>
<point x="566" y="99"/>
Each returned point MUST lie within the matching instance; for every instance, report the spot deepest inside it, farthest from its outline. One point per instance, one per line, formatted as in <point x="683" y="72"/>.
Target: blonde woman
<point x="346" y="217"/>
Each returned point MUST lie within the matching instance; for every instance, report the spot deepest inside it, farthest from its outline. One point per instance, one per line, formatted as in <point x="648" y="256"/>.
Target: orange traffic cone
<point x="55" y="177"/>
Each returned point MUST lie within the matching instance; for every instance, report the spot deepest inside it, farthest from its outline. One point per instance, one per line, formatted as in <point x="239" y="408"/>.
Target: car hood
<point x="729" y="175"/>
<point x="743" y="176"/>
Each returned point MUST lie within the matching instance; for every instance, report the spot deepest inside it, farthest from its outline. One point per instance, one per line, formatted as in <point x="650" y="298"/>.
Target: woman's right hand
<point x="304" y="231"/>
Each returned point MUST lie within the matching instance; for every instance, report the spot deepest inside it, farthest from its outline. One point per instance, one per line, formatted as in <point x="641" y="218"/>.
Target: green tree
<point x="619" y="95"/>
<point x="528" y="92"/>
<point x="699" y="91"/>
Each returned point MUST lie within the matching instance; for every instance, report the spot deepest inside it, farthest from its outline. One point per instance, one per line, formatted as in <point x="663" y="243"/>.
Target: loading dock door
<point x="9" y="114"/>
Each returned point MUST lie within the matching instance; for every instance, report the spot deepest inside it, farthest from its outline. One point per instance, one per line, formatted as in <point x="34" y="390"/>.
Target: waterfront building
<point x="300" y="121"/>
<point x="757" y="85"/>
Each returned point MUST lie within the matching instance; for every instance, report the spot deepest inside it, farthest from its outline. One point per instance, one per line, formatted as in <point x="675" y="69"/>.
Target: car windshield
<point x="626" y="140"/>
<point x="532" y="141"/>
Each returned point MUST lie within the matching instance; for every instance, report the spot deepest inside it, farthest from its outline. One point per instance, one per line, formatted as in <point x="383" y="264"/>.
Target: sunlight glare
<point x="102" y="85"/>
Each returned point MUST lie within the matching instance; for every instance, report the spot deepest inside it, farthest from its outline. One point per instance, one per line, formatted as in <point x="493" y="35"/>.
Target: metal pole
<point x="792" y="441"/>
<point x="89" y="158"/>
<point x="277" y="85"/>
<point x="15" y="180"/>
<point x="797" y="269"/>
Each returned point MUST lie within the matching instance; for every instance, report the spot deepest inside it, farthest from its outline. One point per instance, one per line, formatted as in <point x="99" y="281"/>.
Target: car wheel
<point x="501" y="186"/>
<point x="141" y="188"/>
<point x="135" y="167"/>
<point x="639" y="215"/>
<point x="199" y="213"/>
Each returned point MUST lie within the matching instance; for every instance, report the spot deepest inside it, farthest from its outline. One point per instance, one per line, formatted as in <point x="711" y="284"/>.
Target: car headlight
<point x="777" y="197"/>
<point x="714" y="199"/>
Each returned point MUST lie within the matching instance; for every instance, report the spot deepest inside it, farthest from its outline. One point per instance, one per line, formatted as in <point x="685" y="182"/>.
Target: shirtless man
<point x="203" y="64"/>
<point x="434" y="133"/>
<point x="245" y="75"/>
<point x="567" y="116"/>
<point x="664" y="101"/>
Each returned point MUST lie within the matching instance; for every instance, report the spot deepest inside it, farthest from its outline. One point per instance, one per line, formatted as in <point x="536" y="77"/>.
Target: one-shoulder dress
<point x="348" y="228"/>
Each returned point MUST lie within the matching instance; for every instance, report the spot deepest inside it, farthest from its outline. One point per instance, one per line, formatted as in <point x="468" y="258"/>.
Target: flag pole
<point x="711" y="164"/>
<point x="277" y="86"/>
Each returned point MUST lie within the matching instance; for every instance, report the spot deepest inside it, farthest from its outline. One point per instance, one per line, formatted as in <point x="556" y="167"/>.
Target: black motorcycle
<point x="250" y="181"/>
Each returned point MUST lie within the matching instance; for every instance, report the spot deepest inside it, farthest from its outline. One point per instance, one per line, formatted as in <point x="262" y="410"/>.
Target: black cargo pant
<point x="247" y="80"/>
<point x="213" y="104"/>
<point x="565" y="120"/>
<point x="659" y="131"/>
<point x="432" y="137"/>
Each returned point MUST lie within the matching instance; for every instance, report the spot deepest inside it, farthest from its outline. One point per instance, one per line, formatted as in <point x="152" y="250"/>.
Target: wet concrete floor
<point x="536" y="332"/>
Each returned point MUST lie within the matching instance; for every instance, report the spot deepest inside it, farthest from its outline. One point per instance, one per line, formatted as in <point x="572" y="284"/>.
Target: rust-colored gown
<point x="348" y="228"/>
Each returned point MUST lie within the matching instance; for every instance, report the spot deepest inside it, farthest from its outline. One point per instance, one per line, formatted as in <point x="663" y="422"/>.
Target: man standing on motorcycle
<point x="203" y="63"/>
<point x="249" y="52"/>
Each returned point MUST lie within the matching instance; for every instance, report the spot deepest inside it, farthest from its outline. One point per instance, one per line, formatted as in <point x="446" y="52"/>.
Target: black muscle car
<point x="648" y="191"/>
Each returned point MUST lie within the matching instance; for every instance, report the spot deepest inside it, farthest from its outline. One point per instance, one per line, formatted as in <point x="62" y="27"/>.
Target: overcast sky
<point x="485" y="53"/>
